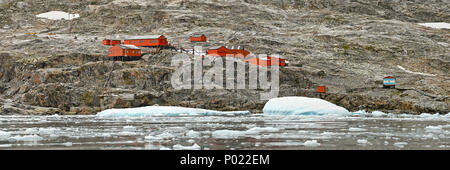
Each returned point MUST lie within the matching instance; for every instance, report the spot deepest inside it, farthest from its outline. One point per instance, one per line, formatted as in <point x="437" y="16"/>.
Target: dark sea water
<point x="226" y="132"/>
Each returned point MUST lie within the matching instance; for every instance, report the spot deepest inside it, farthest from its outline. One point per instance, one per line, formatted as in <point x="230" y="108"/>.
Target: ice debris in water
<point x="362" y="141"/>
<point x="311" y="143"/>
<point x="4" y="135"/>
<point x="47" y="131"/>
<point x="356" y="129"/>
<point x="181" y="147"/>
<point x="162" y="136"/>
<point x="433" y="129"/>
<point x="400" y="144"/>
<point x="28" y="138"/>
<point x="302" y="106"/>
<point x="165" y="111"/>
<point x="192" y="134"/>
<point x="129" y="129"/>
<point x="230" y="134"/>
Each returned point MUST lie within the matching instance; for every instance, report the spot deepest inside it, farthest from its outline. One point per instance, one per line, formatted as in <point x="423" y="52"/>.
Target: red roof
<point x="389" y="77"/>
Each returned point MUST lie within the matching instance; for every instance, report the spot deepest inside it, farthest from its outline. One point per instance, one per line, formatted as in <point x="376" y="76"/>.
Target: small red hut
<point x="111" y="42"/>
<point x="267" y="61"/>
<point x="223" y="51"/>
<point x="198" y="38"/>
<point x="124" y="51"/>
<point x="147" y="41"/>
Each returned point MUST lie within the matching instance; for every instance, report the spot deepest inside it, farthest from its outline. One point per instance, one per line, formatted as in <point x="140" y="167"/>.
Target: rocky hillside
<point x="347" y="45"/>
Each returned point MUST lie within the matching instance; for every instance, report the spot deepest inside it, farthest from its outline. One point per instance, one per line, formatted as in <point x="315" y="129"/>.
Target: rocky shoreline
<point x="79" y="84"/>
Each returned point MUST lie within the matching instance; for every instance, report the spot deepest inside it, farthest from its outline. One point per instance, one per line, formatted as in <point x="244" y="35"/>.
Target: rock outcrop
<point x="349" y="46"/>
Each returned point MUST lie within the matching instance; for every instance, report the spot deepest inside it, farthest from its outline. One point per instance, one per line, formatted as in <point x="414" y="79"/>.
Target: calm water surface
<point x="222" y="132"/>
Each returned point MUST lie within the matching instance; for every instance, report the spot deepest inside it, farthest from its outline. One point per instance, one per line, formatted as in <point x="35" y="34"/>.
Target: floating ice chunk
<point x="68" y="144"/>
<point x="192" y="134"/>
<point x="302" y="106"/>
<point x="164" y="111"/>
<point x="227" y="134"/>
<point x="4" y="135"/>
<point x="58" y="15"/>
<point x="438" y="25"/>
<point x="356" y="129"/>
<point x="47" y="131"/>
<point x="400" y="144"/>
<point x="165" y="135"/>
<point x="256" y="130"/>
<point x="232" y="134"/>
<point x="151" y="138"/>
<point x="362" y="141"/>
<point x="378" y="114"/>
<point x="181" y="147"/>
<point x="311" y="143"/>
<point x="28" y="138"/>
<point x="31" y="131"/>
<point x="433" y="129"/>
<point x="129" y="129"/>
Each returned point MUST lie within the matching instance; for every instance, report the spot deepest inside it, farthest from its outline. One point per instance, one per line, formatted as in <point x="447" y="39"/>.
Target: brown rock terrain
<point x="349" y="46"/>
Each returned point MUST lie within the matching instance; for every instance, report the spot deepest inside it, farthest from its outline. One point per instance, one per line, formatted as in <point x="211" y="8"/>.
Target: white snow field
<point x="58" y="15"/>
<point x="165" y="111"/>
<point x="438" y="25"/>
<point x="302" y="106"/>
<point x="418" y="73"/>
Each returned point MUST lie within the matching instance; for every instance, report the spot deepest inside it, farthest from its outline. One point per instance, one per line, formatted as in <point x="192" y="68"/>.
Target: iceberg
<point x="4" y="135"/>
<point x="302" y="106"/>
<point x="165" y="111"/>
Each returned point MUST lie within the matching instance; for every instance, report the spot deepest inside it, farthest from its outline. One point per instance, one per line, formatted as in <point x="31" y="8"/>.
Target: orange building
<point x="223" y="51"/>
<point x="198" y="38"/>
<point x="147" y="41"/>
<point x="111" y="42"/>
<point x="321" y="89"/>
<point x="124" y="51"/>
<point x="267" y="61"/>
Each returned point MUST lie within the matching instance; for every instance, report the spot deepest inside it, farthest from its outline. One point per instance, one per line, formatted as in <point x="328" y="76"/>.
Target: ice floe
<point x="302" y="106"/>
<point x="27" y="138"/>
<point x="165" y="111"/>
<point x="58" y="15"/>
<point x="192" y="134"/>
<point x="181" y="147"/>
<point x="232" y="134"/>
<point x="312" y="143"/>
<point x="433" y="129"/>
<point x="353" y="129"/>
<point x="4" y="135"/>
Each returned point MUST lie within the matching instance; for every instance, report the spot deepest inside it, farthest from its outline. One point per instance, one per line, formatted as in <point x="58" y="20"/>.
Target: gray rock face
<point x="349" y="46"/>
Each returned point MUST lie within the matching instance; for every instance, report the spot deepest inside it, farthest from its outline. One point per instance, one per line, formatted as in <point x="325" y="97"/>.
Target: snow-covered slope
<point x="302" y="106"/>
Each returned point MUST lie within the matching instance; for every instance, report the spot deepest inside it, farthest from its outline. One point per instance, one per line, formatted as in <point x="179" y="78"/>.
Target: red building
<point x="223" y="51"/>
<point x="147" y="41"/>
<point x="198" y="38"/>
<point x="111" y="42"/>
<point x="125" y="52"/>
<point x="267" y="61"/>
